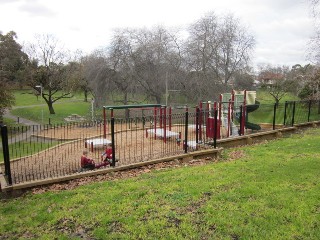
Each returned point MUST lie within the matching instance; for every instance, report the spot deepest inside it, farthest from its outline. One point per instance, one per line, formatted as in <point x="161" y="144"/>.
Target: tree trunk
<point x="125" y="102"/>
<point x="86" y="95"/>
<point x="158" y="99"/>
<point x="50" y="106"/>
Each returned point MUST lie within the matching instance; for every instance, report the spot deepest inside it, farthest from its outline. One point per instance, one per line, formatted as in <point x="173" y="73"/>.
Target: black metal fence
<point x="32" y="153"/>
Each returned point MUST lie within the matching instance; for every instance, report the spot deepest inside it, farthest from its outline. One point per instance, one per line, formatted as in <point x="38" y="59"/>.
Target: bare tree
<point x="235" y="48"/>
<point x="157" y="57"/>
<point x="51" y="76"/>
<point x="121" y="62"/>
<point x="314" y="43"/>
<point x="98" y="76"/>
<point x="307" y="79"/>
<point x="217" y="48"/>
<point x="274" y="80"/>
<point x="200" y="50"/>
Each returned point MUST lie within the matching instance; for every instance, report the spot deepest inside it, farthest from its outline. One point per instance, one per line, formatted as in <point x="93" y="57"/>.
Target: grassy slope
<point x="264" y="97"/>
<point x="272" y="192"/>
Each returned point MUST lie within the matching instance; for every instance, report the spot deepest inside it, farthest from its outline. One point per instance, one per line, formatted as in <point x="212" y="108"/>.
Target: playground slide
<point x="251" y="108"/>
<point x="252" y="126"/>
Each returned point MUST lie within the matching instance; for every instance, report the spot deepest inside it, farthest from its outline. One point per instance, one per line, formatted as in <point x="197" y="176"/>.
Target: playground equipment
<point x="163" y="124"/>
<point x="232" y="107"/>
<point x="250" y="104"/>
<point x="164" y="130"/>
<point x="96" y="142"/>
<point x="213" y="120"/>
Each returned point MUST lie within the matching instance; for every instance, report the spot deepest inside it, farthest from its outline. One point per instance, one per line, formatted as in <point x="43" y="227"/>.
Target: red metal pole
<point x="161" y="115"/>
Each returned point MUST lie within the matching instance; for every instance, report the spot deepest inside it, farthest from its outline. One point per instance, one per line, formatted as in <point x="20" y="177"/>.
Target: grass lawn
<point x="27" y="98"/>
<point x="264" y="97"/>
<point x="62" y="110"/>
<point x="11" y="123"/>
<point x="271" y="192"/>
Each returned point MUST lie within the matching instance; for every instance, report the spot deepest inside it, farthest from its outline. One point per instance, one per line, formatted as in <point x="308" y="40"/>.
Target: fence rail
<point x="32" y="153"/>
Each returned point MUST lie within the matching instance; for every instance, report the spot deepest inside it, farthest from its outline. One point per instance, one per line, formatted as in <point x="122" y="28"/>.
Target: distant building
<point x="269" y="79"/>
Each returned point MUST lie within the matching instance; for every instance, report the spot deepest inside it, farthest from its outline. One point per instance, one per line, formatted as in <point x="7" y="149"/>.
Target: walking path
<point x="24" y="121"/>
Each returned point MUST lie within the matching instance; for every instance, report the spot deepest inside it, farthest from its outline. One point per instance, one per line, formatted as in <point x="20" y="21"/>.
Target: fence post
<point x="274" y="116"/>
<point x="6" y="156"/>
<point x="113" y="140"/>
<point x="186" y="132"/>
<point x="285" y="113"/>
<point x="293" y="113"/>
<point x="309" y="111"/>
<point x="215" y="129"/>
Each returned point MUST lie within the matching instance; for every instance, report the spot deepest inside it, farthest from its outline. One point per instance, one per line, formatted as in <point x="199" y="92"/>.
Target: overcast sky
<point x="282" y="28"/>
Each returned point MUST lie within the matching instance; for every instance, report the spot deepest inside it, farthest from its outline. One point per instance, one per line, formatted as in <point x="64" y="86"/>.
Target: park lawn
<point x="265" y="112"/>
<point x="271" y="192"/>
<point x="62" y="110"/>
<point x="11" y="123"/>
<point x="26" y="97"/>
<point x="264" y="97"/>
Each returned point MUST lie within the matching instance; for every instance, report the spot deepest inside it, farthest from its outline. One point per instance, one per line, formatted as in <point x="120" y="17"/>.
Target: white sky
<point x="282" y="28"/>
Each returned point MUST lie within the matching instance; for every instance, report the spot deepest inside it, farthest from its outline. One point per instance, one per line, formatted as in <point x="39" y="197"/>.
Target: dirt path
<point x="24" y="121"/>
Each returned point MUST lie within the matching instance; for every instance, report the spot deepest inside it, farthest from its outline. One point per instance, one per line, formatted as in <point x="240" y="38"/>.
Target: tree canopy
<point x="13" y="63"/>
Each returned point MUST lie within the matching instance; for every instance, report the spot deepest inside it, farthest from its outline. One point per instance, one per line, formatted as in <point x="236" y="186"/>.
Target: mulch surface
<point x="72" y="184"/>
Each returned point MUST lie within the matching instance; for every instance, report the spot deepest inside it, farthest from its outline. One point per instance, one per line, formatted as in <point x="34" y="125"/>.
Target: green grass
<point x="27" y="98"/>
<point x="264" y="114"/>
<point x="271" y="192"/>
<point x="264" y="97"/>
<point x="11" y="123"/>
<point x="63" y="107"/>
<point x="25" y="148"/>
<point x="62" y="110"/>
